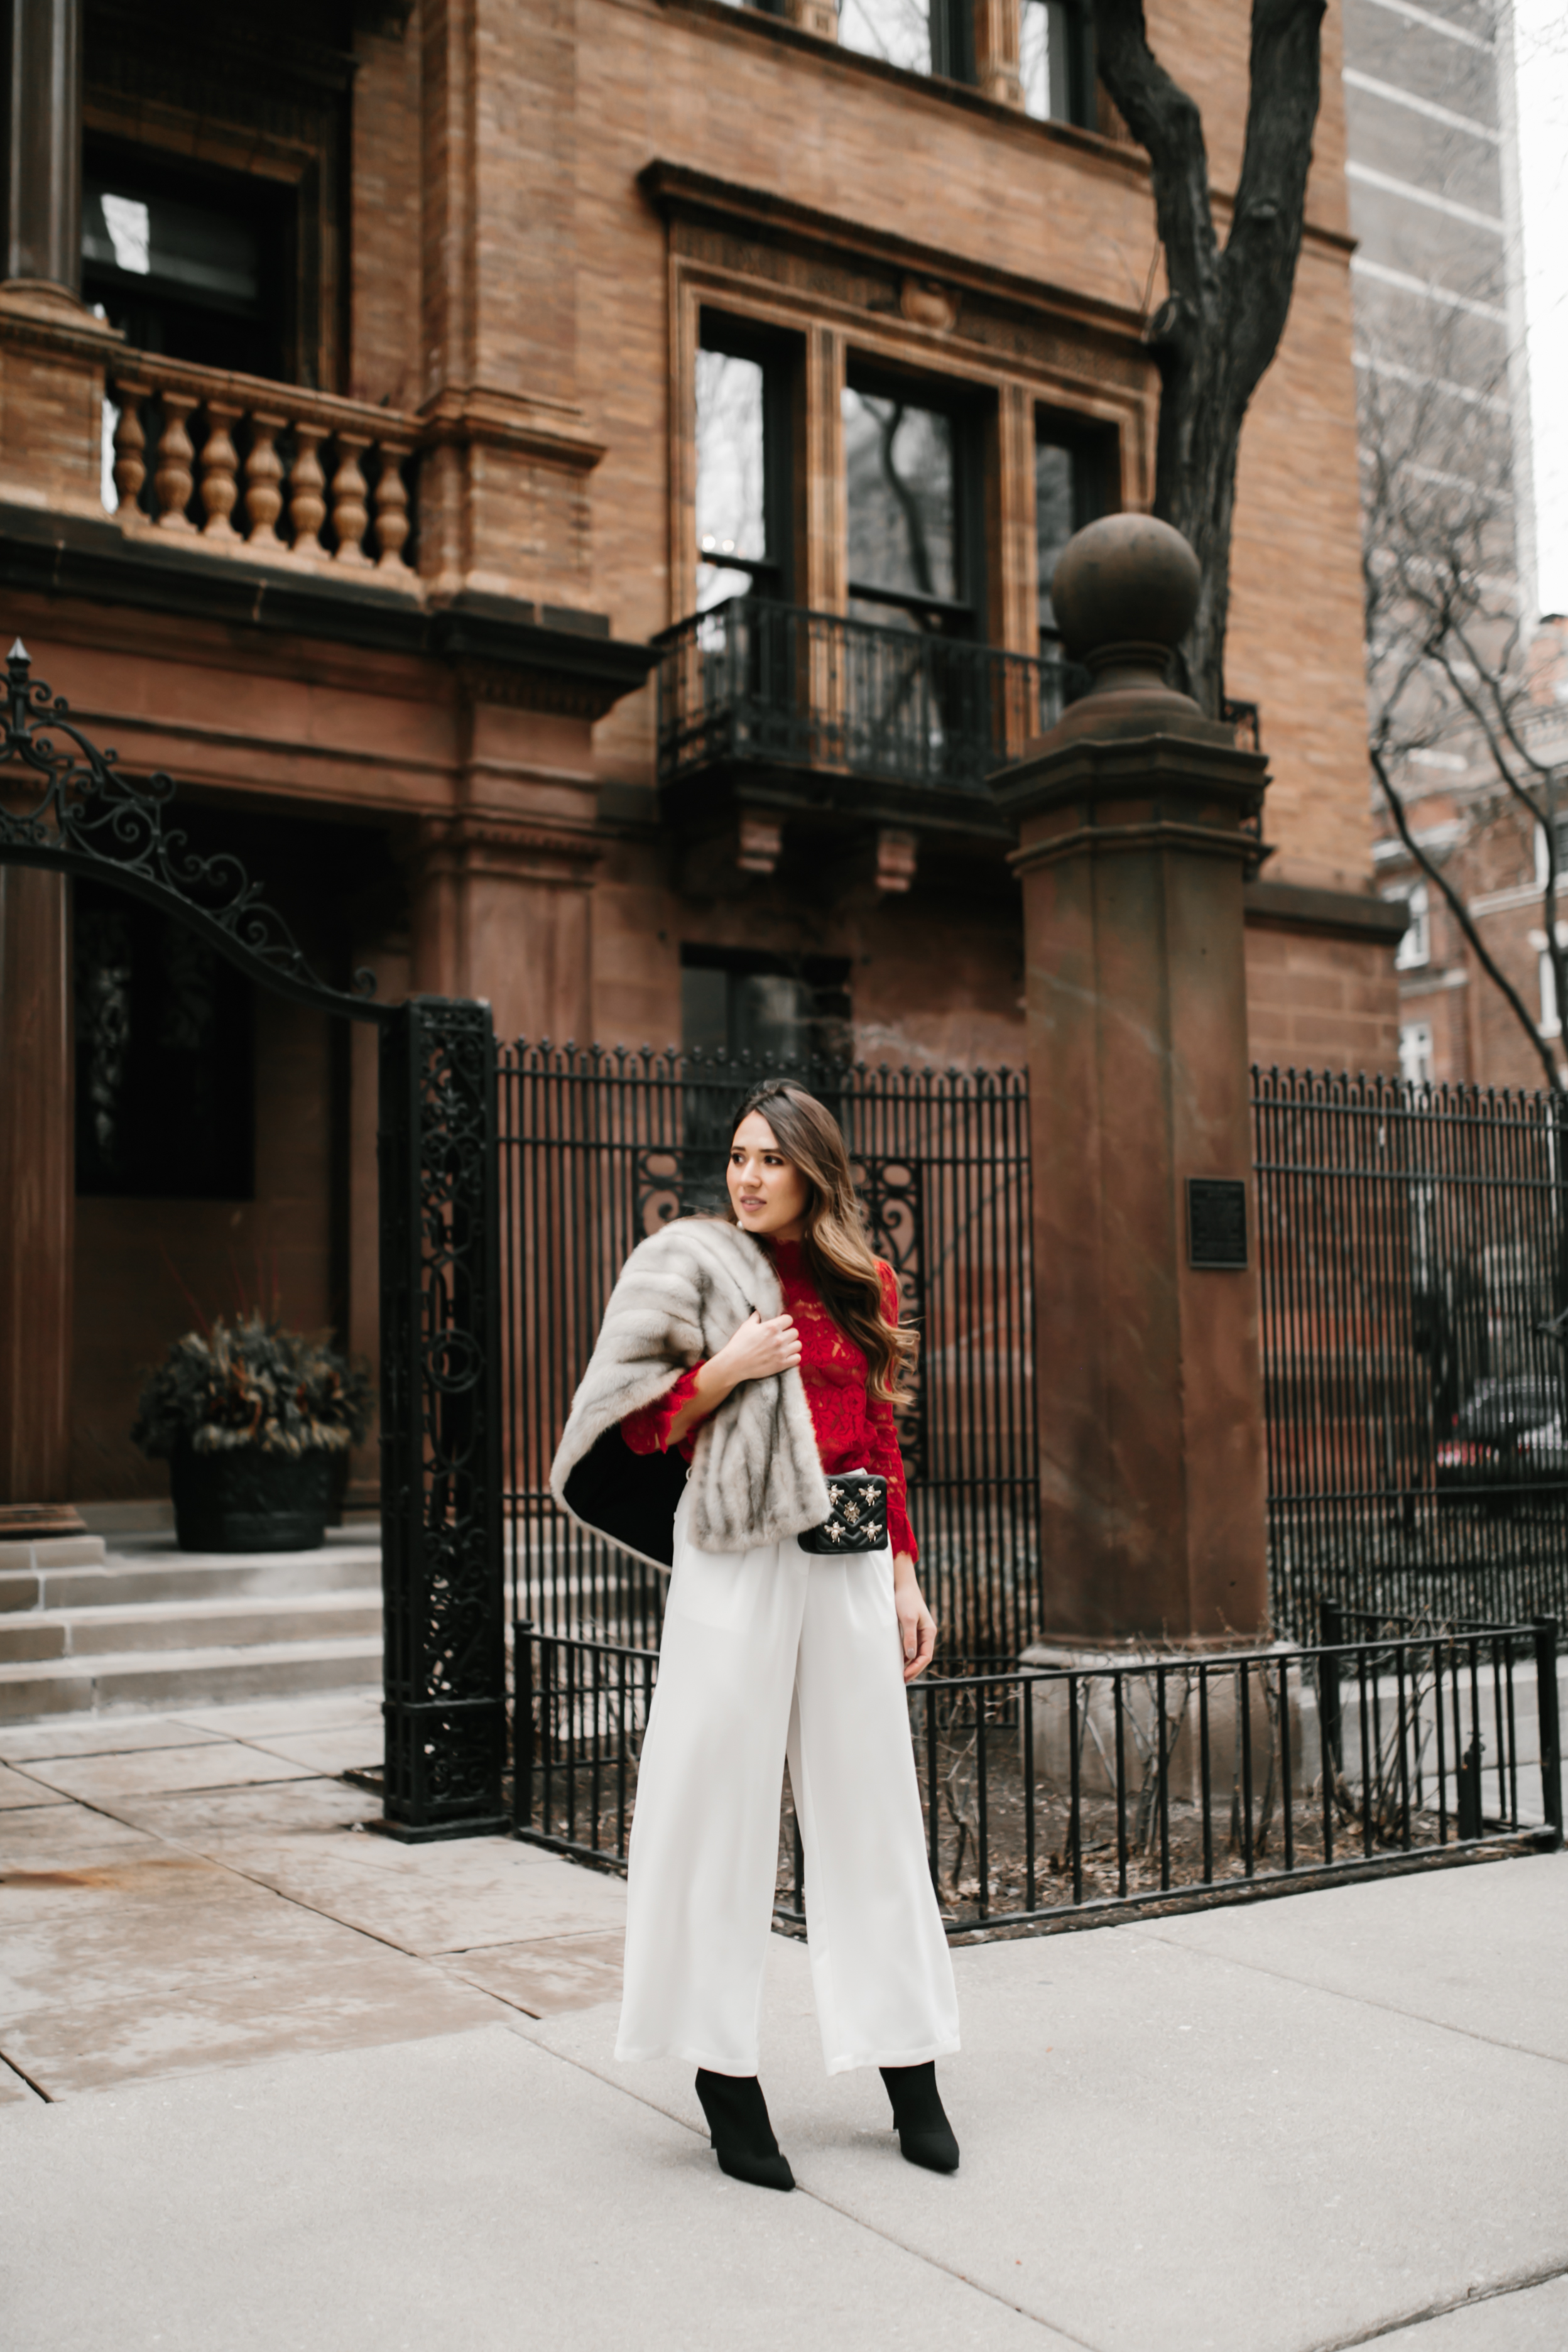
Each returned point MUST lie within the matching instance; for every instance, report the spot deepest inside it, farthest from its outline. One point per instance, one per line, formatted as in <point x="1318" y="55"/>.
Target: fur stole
<point x="755" y="1473"/>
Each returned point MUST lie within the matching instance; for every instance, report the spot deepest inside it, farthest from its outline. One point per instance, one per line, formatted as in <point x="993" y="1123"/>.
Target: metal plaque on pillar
<point x="1216" y="1223"/>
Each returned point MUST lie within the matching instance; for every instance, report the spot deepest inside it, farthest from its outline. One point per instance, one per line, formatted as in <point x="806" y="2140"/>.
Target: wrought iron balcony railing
<point x="771" y="685"/>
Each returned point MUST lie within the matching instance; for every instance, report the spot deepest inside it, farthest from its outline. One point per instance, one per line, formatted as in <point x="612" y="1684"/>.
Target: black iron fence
<point x="1413" y="1254"/>
<point x="69" y="811"/>
<point x="1055" y="1793"/>
<point x="756" y="681"/>
<point x="598" y="1149"/>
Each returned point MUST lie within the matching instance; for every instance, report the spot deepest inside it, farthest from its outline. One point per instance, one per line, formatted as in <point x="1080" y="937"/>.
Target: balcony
<point x="792" y="709"/>
<point x="210" y="495"/>
<point x="266" y="471"/>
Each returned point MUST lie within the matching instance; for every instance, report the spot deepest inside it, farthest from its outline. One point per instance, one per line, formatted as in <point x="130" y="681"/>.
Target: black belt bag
<point x="857" y="1519"/>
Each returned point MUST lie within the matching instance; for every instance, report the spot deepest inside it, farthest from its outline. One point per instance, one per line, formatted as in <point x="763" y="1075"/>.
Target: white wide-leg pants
<point x="765" y="1652"/>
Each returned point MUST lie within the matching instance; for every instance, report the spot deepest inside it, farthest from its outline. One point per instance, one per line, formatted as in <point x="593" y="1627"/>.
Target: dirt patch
<point x="120" y="1876"/>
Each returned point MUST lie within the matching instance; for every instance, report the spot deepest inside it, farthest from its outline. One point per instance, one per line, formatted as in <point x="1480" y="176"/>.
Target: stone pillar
<point x="501" y="882"/>
<point x="37" y="1188"/>
<point x="502" y="911"/>
<point x="52" y="349"/>
<point x="997" y="51"/>
<point x="1132" y="816"/>
<point x="43" y="142"/>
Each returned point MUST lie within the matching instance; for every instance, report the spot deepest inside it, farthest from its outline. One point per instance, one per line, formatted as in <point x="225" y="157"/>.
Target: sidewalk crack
<point x="1498" y="2294"/>
<point x="1361" y="2000"/>
<point x="856" y="2221"/>
<point x="22" y="2075"/>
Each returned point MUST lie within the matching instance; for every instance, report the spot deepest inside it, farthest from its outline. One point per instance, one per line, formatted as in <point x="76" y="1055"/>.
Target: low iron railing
<point x="774" y="684"/>
<point x="1053" y="1794"/>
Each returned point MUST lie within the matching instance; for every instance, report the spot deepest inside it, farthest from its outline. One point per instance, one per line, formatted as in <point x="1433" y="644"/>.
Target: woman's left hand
<point x="917" y="1627"/>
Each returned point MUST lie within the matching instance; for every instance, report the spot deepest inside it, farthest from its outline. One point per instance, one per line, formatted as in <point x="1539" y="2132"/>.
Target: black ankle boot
<point x="925" y="2136"/>
<point x="742" y="2136"/>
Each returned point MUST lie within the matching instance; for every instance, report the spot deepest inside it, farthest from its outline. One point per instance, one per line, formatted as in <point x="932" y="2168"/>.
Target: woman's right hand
<point x="759" y="1350"/>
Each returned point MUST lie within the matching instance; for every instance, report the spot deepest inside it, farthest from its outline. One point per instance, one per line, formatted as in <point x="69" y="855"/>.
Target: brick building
<point x="1433" y="168"/>
<point x="394" y="396"/>
<point x="1456" y="1026"/>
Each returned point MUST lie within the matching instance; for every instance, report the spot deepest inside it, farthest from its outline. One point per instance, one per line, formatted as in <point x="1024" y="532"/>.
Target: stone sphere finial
<point x="1123" y="584"/>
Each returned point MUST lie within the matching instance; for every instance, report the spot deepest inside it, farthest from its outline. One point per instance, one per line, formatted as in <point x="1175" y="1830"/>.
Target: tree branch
<point x="1167" y="121"/>
<point x="1556" y="954"/>
<point x="1259" y="265"/>
<point x="1220" y="325"/>
<point x="1462" y="916"/>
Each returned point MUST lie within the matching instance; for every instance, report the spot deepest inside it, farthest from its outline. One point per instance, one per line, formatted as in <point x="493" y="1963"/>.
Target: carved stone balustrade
<point x="262" y="469"/>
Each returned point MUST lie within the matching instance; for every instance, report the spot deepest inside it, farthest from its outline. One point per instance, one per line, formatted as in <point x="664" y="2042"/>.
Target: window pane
<point x="717" y="582"/>
<point x="200" y="275"/>
<point x="1415" y="1052"/>
<point x="704" y="1011"/>
<point x="896" y="30"/>
<point x="1045" y="61"/>
<point x="1415" y="948"/>
<point x="198" y="249"/>
<point x="1055" y="517"/>
<point x="899" y="460"/>
<point x="771" y="1017"/>
<point x="731" y="503"/>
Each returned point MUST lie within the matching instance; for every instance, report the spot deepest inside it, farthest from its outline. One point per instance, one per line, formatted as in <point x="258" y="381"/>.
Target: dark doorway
<point x="164" y="1058"/>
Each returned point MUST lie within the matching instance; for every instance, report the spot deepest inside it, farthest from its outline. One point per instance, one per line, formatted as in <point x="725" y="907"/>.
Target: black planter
<point x="247" y="1501"/>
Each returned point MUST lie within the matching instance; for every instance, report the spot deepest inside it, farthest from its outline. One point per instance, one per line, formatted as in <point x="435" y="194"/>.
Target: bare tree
<point x="1443" y="626"/>
<point x="1215" y="334"/>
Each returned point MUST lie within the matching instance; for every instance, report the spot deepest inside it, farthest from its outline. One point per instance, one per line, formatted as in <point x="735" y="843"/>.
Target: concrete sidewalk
<point x="276" y="2084"/>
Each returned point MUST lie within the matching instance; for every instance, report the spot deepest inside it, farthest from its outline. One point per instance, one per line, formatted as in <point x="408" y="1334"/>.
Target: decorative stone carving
<point x="217" y="404"/>
<point x="219" y="466"/>
<point x="264" y="481"/>
<point x="897" y="855"/>
<point x="307" y="507"/>
<point x="174" y="480"/>
<point x="557" y="856"/>
<point x="391" y="509"/>
<point x="819" y="17"/>
<point x="924" y="303"/>
<point x="350" y="515"/>
<point x="758" y="843"/>
<point x="837" y="263"/>
<point x="712" y="860"/>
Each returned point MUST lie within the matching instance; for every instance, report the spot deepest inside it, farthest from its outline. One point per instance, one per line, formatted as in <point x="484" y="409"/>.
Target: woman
<point x="766" y="1352"/>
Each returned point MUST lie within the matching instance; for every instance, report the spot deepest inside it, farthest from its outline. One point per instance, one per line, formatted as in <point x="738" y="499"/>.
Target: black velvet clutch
<point x="857" y="1520"/>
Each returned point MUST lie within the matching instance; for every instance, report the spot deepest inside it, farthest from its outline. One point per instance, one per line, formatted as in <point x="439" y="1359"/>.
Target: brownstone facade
<point x="1457" y="1028"/>
<point x="382" y="597"/>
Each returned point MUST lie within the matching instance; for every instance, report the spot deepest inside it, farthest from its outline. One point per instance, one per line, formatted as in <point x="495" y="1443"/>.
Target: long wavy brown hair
<point x="838" y="1258"/>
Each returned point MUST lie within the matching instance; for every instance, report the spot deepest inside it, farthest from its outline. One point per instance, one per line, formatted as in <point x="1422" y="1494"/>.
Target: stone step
<point x="231" y="1622"/>
<point x="159" y="1573"/>
<point x="51" y="1551"/>
<point x="184" y="1678"/>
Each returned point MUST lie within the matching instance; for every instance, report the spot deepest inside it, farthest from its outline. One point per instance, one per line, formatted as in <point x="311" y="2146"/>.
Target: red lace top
<point x="854" y="1432"/>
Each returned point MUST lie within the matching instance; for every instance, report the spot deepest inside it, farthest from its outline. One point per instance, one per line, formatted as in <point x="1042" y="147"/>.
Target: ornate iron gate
<point x="445" y="1673"/>
<point x="598" y="1148"/>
